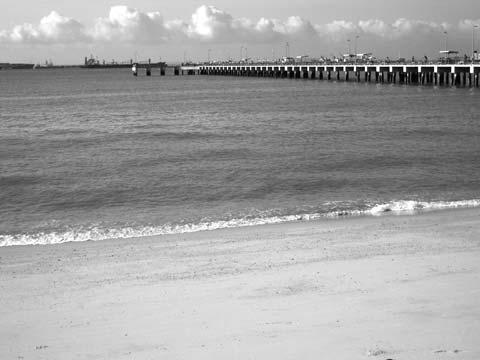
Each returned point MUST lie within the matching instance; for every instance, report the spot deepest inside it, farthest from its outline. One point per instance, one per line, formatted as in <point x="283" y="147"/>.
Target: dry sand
<point x="391" y="287"/>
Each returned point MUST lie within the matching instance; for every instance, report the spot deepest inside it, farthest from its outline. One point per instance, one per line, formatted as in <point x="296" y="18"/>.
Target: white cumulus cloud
<point x="53" y="28"/>
<point x="337" y="27"/>
<point x="209" y="24"/>
<point x="127" y="24"/>
<point x="400" y="27"/>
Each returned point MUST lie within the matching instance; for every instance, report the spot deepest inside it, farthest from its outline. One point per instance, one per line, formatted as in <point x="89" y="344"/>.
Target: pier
<point x="148" y="67"/>
<point x="418" y="74"/>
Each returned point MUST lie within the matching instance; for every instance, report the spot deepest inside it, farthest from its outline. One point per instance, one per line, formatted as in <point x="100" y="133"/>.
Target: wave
<point x="412" y="206"/>
<point x="96" y="233"/>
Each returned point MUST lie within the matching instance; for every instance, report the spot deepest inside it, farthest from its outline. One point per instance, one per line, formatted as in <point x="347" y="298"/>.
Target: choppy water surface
<point x="95" y="154"/>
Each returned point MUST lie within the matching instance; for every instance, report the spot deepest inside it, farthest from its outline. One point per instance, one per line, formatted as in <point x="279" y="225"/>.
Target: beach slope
<point x="389" y="287"/>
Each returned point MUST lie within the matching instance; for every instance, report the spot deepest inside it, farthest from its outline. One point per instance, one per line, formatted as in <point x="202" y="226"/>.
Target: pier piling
<point x="408" y="74"/>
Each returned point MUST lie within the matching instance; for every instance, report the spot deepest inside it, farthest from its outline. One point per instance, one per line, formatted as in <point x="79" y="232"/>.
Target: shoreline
<point x="395" y="208"/>
<point x="399" y="287"/>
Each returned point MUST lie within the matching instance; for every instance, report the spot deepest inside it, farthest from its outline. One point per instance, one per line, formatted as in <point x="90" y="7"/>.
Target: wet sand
<point x="390" y="287"/>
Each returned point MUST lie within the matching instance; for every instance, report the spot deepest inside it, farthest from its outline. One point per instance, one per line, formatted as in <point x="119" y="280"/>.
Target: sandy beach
<point x="390" y="287"/>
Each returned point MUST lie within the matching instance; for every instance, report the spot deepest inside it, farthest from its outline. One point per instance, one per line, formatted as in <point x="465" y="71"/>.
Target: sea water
<point x="98" y="154"/>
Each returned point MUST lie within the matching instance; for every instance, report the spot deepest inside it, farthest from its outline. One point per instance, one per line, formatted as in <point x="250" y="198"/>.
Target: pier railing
<point x="391" y="72"/>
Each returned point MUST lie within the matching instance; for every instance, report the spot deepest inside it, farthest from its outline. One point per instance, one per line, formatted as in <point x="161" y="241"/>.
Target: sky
<point x="173" y="31"/>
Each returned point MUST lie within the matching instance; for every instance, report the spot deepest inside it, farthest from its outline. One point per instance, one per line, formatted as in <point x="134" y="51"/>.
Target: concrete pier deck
<point x="436" y="74"/>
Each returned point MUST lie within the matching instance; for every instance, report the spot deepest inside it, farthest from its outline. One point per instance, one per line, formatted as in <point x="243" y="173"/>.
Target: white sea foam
<point x="411" y="206"/>
<point x="97" y="233"/>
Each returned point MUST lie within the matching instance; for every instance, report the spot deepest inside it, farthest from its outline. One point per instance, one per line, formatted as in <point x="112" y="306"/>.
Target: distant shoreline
<point x="19" y="66"/>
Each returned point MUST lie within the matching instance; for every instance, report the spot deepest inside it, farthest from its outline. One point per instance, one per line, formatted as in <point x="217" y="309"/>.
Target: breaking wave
<point x="97" y="233"/>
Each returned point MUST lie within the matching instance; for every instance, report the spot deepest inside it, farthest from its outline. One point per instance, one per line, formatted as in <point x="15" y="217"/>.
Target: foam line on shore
<point x="95" y="233"/>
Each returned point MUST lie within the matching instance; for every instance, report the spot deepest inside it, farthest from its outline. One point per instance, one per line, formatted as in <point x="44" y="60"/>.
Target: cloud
<point x="468" y="24"/>
<point x="209" y="23"/>
<point x="337" y="27"/>
<point x="53" y="28"/>
<point x="125" y="24"/>
<point x="212" y="25"/>
<point x="375" y="27"/>
<point x="295" y="26"/>
<point x="400" y="28"/>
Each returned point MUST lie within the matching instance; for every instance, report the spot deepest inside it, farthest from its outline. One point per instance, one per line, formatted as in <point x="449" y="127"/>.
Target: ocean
<point x="100" y="154"/>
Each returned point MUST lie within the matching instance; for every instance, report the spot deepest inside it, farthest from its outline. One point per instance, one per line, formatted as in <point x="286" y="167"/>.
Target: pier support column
<point x="347" y="75"/>
<point x="320" y="74"/>
<point x="313" y="74"/>
<point x="338" y="75"/>
<point x="376" y="76"/>
<point x="366" y="76"/>
<point x="329" y="75"/>
<point x="358" y="76"/>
